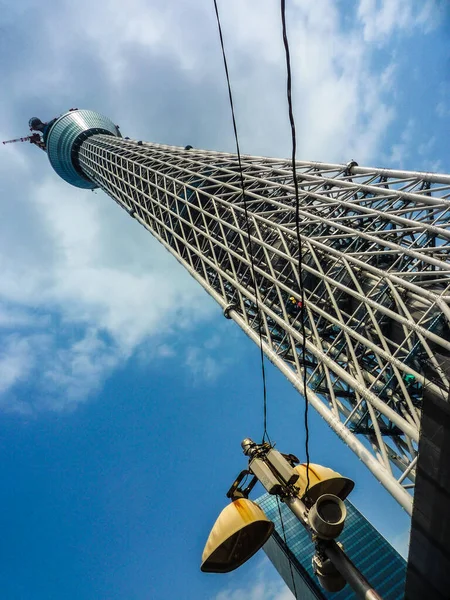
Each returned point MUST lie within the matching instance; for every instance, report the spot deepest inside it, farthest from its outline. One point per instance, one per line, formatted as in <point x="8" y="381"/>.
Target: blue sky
<point x="124" y="393"/>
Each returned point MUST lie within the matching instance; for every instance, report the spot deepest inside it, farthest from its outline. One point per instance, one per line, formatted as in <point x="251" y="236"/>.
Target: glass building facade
<point x="380" y="563"/>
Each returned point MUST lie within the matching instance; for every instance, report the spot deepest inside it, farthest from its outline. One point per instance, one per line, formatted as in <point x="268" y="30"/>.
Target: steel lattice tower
<point x="376" y="270"/>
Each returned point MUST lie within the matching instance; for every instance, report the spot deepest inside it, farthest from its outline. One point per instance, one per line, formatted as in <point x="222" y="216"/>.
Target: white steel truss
<point x="376" y="276"/>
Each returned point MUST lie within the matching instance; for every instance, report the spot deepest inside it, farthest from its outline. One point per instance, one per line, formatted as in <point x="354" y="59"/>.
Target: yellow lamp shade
<point x="240" y="531"/>
<point x="322" y="480"/>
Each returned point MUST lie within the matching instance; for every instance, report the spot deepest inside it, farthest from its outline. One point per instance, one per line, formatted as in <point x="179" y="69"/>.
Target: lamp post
<point x="242" y="528"/>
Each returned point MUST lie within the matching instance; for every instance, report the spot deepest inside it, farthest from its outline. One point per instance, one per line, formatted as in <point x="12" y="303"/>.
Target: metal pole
<point x="340" y="560"/>
<point x="350" y="573"/>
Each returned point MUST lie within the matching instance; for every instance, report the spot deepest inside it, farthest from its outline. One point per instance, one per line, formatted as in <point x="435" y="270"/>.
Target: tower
<point x="375" y="270"/>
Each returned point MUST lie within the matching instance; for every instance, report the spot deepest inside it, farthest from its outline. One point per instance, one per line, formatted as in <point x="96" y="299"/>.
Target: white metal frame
<point x="376" y="275"/>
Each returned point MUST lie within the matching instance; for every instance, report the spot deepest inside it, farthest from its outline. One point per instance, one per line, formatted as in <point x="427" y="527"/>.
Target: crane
<point x="37" y="125"/>
<point x="34" y="138"/>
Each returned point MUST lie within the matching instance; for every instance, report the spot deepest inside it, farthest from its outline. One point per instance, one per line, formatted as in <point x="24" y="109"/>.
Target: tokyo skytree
<point x="375" y="269"/>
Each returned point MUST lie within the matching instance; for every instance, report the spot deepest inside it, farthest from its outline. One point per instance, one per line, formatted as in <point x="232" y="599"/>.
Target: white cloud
<point x="382" y="18"/>
<point x="15" y="361"/>
<point x="111" y="272"/>
<point x="78" y="370"/>
<point x="201" y="365"/>
<point x="401" y="151"/>
<point x="37" y="372"/>
<point x="108" y="277"/>
<point x="257" y="591"/>
<point x="425" y="148"/>
<point x="401" y="542"/>
<point x="442" y="109"/>
<point x="15" y="318"/>
<point x="263" y="586"/>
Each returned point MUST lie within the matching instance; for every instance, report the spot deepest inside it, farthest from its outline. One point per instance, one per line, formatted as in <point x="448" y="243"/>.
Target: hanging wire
<point x="285" y="541"/>
<point x="252" y="263"/>
<point x="297" y="229"/>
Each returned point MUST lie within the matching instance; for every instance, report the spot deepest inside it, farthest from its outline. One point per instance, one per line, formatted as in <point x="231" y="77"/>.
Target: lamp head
<point x="327" y="516"/>
<point x="240" y="531"/>
<point x="327" y="574"/>
<point x="322" y="480"/>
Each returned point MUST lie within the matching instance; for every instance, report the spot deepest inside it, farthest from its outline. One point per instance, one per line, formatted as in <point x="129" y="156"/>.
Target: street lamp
<point x="242" y="527"/>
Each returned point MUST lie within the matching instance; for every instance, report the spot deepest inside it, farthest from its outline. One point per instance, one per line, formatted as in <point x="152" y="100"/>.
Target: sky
<point x="124" y="393"/>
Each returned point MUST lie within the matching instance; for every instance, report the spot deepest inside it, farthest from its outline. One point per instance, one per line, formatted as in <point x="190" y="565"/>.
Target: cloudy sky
<point x="124" y="393"/>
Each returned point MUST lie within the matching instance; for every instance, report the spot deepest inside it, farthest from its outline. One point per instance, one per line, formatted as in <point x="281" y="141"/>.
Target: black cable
<point x="297" y="229"/>
<point x="252" y="264"/>
<point x="285" y="541"/>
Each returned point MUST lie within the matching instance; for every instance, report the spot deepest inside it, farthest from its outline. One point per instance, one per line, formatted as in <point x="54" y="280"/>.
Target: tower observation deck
<point x="375" y="261"/>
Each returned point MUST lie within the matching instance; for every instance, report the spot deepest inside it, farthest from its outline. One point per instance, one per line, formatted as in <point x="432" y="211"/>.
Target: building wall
<point x="381" y="564"/>
<point x="429" y="555"/>
<point x="307" y="587"/>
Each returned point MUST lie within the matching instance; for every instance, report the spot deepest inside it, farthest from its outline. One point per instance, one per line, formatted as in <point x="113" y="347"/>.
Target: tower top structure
<point x="63" y="137"/>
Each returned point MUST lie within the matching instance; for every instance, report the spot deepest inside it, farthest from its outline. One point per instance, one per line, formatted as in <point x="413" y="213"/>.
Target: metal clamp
<point x="226" y="310"/>
<point x="352" y="163"/>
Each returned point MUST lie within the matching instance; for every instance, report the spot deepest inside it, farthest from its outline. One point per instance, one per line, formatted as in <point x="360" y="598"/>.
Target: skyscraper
<point x="370" y="552"/>
<point x="375" y="275"/>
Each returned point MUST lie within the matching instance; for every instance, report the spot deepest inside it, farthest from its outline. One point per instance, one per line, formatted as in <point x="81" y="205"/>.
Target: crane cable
<point x="247" y="221"/>
<point x="297" y="230"/>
